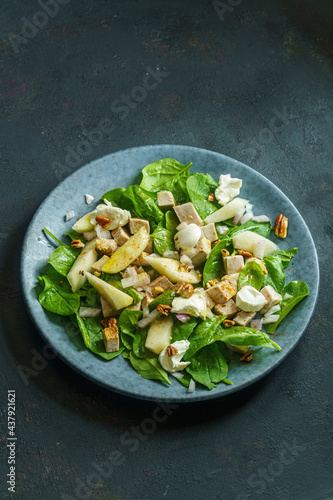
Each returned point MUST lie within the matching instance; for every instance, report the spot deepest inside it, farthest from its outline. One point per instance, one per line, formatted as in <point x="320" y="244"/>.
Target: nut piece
<point x="163" y="309"/>
<point x="211" y="197"/>
<point x="247" y="356"/>
<point x="281" y="226"/>
<point x="110" y="334"/>
<point x="211" y="283"/>
<point x="172" y="350"/>
<point x="244" y="253"/>
<point x="225" y="252"/>
<point x="214" y="243"/>
<point x="185" y="290"/>
<point x="228" y="323"/>
<point x="102" y="221"/>
<point x="77" y="244"/>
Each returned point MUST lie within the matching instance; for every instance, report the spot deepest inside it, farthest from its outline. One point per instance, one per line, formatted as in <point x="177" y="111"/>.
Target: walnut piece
<point x="228" y="323"/>
<point x="281" y="226"/>
<point x="77" y="244"/>
<point x="164" y="309"/>
<point x="244" y="253"/>
<point x="172" y="350"/>
<point x="247" y="356"/>
<point x="211" y="197"/>
<point x="211" y="283"/>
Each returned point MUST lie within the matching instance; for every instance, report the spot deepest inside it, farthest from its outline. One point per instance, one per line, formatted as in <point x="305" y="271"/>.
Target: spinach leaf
<point x="92" y="298"/>
<point x="74" y="235"/>
<point x="251" y="275"/>
<point x="275" y="265"/>
<point x="163" y="239"/>
<point x="241" y="335"/>
<point x="204" y="334"/>
<point x="57" y="296"/>
<point x="214" y="265"/>
<point x="208" y="366"/>
<point x="93" y="339"/>
<point x="298" y="291"/>
<point x="138" y="201"/>
<point x="127" y="325"/>
<point x="149" y="368"/>
<point x="167" y="174"/>
<point x="165" y="298"/>
<point x="199" y="187"/>
<point x="63" y="258"/>
<point x="182" y="331"/>
<point x="139" y="347"/>
<point x="171" y="221"/>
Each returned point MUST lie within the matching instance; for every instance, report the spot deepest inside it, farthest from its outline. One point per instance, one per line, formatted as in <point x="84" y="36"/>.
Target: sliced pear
<point x="247" y="239"/>
<point x="115" y="297"/>
<point x="229" y="210"/>
<point x="83" y="225"/>
<point x="159" y="334"/>
<point x="127" y="253"/>
<point x="83" y="263"/>
<point x="172" y="269"/>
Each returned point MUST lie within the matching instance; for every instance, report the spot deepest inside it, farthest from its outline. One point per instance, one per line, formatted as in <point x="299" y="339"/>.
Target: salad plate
<point x="122" y="169"/>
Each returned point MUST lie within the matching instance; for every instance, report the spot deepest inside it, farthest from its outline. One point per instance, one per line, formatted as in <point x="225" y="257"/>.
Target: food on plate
<point x="176" y="274"/>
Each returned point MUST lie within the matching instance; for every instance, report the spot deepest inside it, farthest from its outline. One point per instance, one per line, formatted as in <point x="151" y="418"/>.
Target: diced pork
<point x="243" y="318"/>
<point x="105" y="247"/>
<point x="100" y="263"/>
<point x="228" y="309"/>
<point x="120" y="235"/>
<point x="222" y="292"/>
<point x="209" y="232"/>
<point x="200" y="252"/>
<point x="160" y="285"/>
<point x="141" y="260"/>
<point x="165" y="200"/>
<point x="271" y="296"/>
<point x="233" y="263"/>
<point x="187" y="213"/>
<point x="136" y="224"/>
<point x="111" y="336"/>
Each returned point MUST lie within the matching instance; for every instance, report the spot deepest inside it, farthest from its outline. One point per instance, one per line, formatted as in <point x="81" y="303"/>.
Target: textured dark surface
<point x="223" y="79"/>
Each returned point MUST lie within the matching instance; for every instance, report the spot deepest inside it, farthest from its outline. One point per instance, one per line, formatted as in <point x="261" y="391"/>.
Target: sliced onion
<point x="222" y="230"/>
<point x="209" y="314"/>
<point x="257" y="324"/>
<point x="89" y="312"/>
<point x="259" y="249"/>
<point x="191" y="387"/>
<point x="248" y="216"/>
<point x="141" y="279"/>
<point x="177" y="375"/>
<point x="149" y="319"/>
<point x="270" y="319"/>
<point x="169" y="254"/>
<point x="102" y="233"/>
<point x="261" y="218"/>
<point x="238" y="216"/>
<point x="248" y="207"/>
<point x="184" y="318"/>
<point x="272" y="310"/>
<point x="89" y="235"/>
<point x="287" y="296"/>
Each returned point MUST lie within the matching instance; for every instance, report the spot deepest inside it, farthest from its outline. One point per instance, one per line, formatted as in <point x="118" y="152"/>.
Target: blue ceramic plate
<point x="122" y="169"/>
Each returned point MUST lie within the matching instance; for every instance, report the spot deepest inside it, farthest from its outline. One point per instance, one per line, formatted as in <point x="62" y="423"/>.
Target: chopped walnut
<point x="172" y="350"/>
<point x="102" y="221"/>
<point x="225" y="252"/>
<point x="109" y="322"/>
<point x="228" y="323"/>
<point x="247" y="356"/>
<point x="214" y="243"/>
<point x="281" y="226"/>
<point x="211" y="283"/>
<point x="105" y="247"/>
<point x="164" y="309"/>
<point x="211" y="197"/>
<point x="77" y="244"/>
<point x="244" y="253"/>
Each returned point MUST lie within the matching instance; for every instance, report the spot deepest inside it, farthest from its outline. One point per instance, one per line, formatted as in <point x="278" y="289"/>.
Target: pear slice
<point x="115" y="297"/>
<point x="159" y="334"/>
<point x="229" y="210"/>
<point x="247" y="239"/>
<point x="172" y="269"/>
<point x="83" y="263"/>
<point x="127" y="253"/>
<point x="83" y="225"/>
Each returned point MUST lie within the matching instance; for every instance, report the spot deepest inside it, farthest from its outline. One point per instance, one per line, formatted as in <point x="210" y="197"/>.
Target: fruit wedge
<point x="83" y="263"/>
<point x="229" y="210"/>
<point x="159" y="334"/>
<point x="247" y="239"/>
<point x="127" y="253"/>
<point x="115" y="297"/>
<point x="83" y="225"/>
<point x="172" y="269"/>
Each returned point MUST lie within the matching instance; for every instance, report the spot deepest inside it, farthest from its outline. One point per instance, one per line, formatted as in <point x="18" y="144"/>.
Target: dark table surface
<point x="252" y="80"/>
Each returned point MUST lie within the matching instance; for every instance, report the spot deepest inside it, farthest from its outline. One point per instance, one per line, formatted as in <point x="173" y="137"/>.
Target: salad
<point x="176" y="274"/>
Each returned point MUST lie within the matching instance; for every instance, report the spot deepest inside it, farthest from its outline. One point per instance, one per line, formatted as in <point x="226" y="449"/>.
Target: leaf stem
<point x="54" y="237"/>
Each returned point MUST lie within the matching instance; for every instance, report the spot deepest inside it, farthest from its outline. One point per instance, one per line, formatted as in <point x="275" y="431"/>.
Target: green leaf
<point x="251" y="275"/>
<point x="199" y="187"/>
<point x="298" y="291"/>
<point x="208" y="366"/>
<point x="182" y="331"/>
<point x="214" y="265"/>
<point x="52" y="236"/>
<point x="165" y="298"/>
<point x="139" y="344"/>
<point x="148" y="368"/>
<point x="167" y="175"/>
<point x="74" y="235"/>
<point x="163" y="239"/>
<point x="127" y="322"/>
<point x="92" y="297"/>
<point x="204" y="334"/>
<point x="241" y="335"/>
<point x="171" y="221"/>
<point x="57" y="297"/>
<point x="275" y="265"/>
<point x="63" y="258"/>
<point x="93" y="339"/>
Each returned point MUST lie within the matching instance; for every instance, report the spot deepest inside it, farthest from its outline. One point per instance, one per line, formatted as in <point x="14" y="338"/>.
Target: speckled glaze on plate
<point x="121" y="169"/>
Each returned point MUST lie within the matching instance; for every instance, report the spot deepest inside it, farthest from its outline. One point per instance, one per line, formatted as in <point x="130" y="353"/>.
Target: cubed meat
<point x="136" y="224"/>
<point x="111" y="336"/>
<point x="165" y="200"/>
<point x="120" y="236"/>
<point x="187" y="213"/>
<point x="150" y="247"/>
<point x="136" y="307"/>
<point x="160" y="285"/>
<point x="209" y="232"/>
<point x="97" y="266"/>
<point x="243" y="318"/>
<point x="107" y="308"/>
<point x="233" y="263"/>
<point x="105" y="247"/>
<point x="148" y="299"/>
<point x="200" y="252"/>
<point x="228" y="309"/>
<point x="232" y="278"/>
<point x="222" y="292"/>
<point x="271" y="296"/>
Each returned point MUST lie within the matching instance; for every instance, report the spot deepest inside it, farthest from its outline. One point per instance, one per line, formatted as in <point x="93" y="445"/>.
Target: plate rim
<point x="186" y="397"/>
